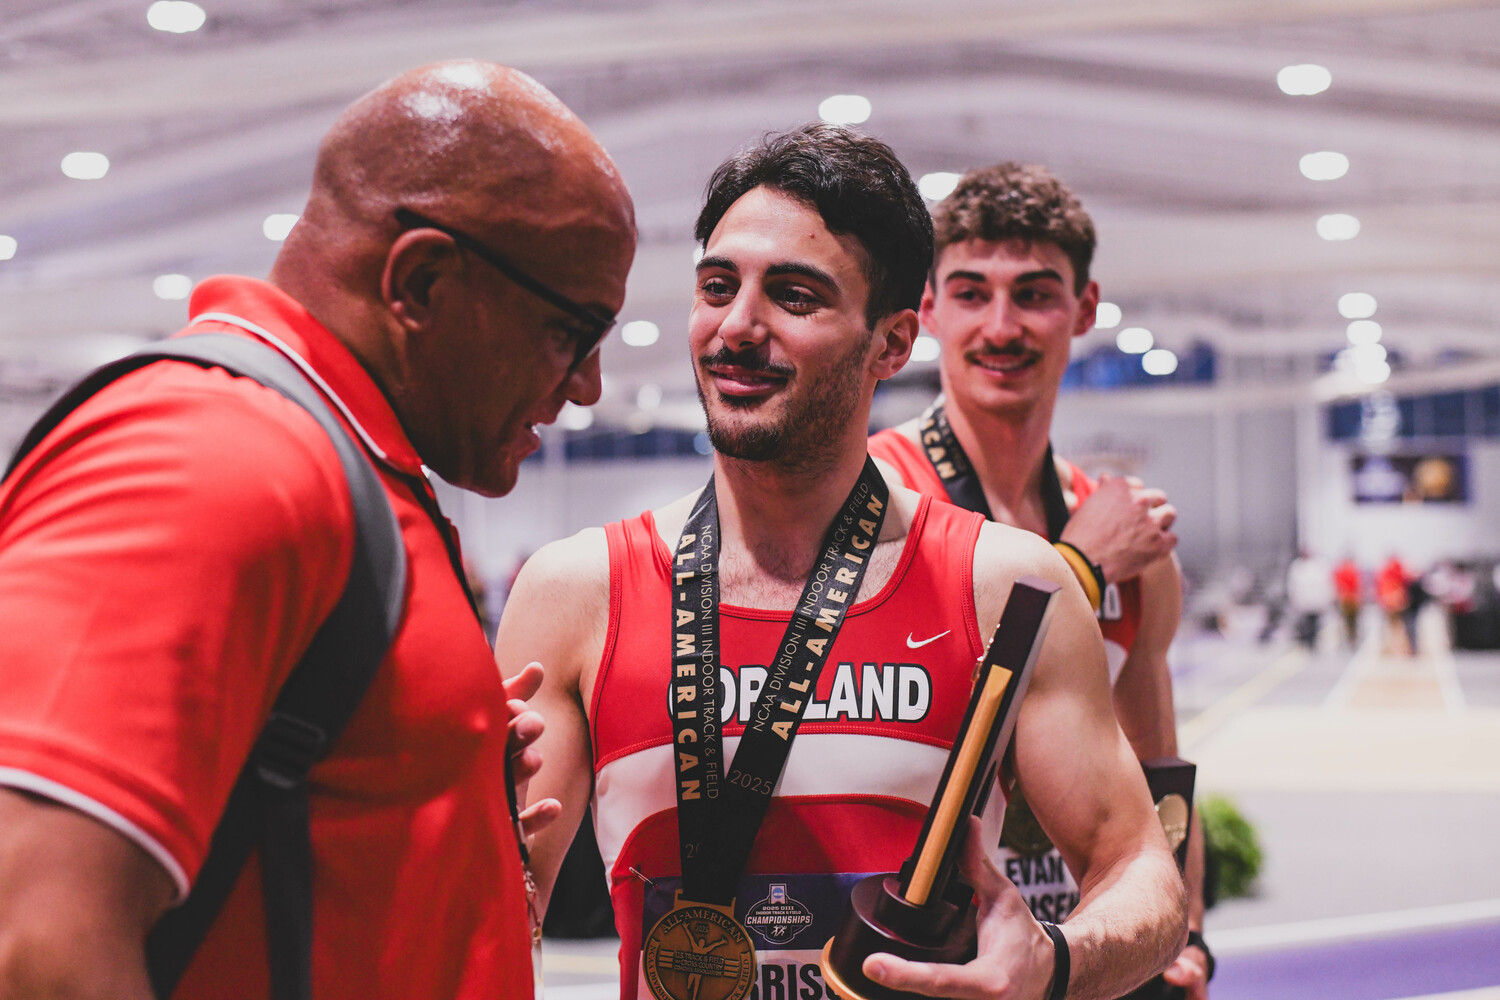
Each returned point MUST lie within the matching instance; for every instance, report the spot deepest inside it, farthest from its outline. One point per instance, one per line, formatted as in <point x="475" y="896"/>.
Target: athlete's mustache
<point x="1014" y="350"/>
<point x="751" y="361"/>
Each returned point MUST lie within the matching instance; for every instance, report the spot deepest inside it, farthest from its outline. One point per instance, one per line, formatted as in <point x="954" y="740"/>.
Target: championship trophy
<point x="922" y="913"/>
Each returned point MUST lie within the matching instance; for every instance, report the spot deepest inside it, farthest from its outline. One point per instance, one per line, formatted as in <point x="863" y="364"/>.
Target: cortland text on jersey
<point x="864" y="692"/>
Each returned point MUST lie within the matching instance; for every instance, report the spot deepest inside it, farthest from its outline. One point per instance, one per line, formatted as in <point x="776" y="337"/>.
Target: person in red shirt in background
<point x="1349" y="591"/>
<point x="1393" y="592"/>
<point x="168" y="552"/>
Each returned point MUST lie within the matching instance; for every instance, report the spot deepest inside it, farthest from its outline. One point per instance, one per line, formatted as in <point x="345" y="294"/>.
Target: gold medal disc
<point x="699" y="952"/>
<point x="1173" y="812"/>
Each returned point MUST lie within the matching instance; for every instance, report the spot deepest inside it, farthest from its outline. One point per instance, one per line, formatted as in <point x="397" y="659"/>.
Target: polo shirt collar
<point x="268" y="313"/>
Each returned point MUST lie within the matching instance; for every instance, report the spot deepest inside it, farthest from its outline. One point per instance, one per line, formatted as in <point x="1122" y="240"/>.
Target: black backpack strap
<point x="268" y="806"/>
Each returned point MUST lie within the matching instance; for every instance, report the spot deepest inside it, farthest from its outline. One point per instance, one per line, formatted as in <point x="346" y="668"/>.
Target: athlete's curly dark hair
<point x="1016" y="201"/>
<point x="857" y="185"/>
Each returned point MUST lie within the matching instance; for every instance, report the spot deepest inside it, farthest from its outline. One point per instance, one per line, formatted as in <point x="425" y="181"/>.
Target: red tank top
<point x="1120" y="609"/>
<point x="862" y="770"/>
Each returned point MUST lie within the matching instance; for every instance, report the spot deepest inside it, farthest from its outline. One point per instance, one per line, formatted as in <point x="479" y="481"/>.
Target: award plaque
<point x="923" y="912"/>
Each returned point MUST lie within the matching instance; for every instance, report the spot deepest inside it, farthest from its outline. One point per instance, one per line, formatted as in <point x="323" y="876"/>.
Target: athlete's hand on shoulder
<point x="1190" y="971"/>
<point x="1015" y="958"/>
<point x="1123" y="526"/>
<point x="526" y="727"/>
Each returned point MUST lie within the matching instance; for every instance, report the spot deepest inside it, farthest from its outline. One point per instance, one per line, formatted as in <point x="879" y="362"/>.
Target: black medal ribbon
<point x="719" y="813"/>
<point x="953" y="467"/>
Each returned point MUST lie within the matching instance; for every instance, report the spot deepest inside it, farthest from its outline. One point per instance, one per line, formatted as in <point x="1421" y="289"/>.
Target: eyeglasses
<point x="596" y="322"/>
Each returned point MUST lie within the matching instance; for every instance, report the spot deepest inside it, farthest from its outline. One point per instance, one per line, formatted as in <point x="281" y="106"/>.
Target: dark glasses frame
<point x="596" y="322"/>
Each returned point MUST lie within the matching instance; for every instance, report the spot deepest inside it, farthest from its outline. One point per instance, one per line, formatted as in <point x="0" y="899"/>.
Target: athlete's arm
<point x="1123" y="527"/>
<point x="1085" y="786"/>
<point x="1143" y="704"/>
<point x="66" y="878"/>
<point x="556" y="615"/>
<point x="1143" y="692"/>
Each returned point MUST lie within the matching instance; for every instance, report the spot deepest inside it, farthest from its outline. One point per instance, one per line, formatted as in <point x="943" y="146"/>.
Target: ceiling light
<point x="1338" y="227"/>
<point x="1373" y="372"/>
<point x="648" y="396"/>
<point x="1364" y="331"/>
<point x="278" y="225"/>
<point x="938" y="185"/>
<point x="85" y="166"/>
<point x="7" y="247"/>
<point x="640" y="333"/>
<point x="1324" y="166"/>
<point x="697" y="255"/>
<point x="1357" y="305"/>
<point x="925" y="348"/>
<point x="1159" y="362"/>
<point x="1304" y="79"/>
<point x="172" y="287"/>
<point x="844" y="109"/>
<point x="1134" y="340"/>
<point x="176" y="16"/>
<point x="1367" y="362"/>
<point x="573" y="417"/>
<point x="1107" y="316"/>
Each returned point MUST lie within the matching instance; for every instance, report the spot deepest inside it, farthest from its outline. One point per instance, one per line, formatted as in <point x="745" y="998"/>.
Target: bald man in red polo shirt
<point x="167" y="553"/>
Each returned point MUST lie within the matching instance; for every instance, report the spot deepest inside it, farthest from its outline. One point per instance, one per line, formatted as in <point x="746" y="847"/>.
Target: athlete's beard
<point x="799" y="436"/>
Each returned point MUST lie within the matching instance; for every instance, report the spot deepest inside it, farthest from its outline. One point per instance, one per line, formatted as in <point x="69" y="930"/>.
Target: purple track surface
<point x="1383" y="968"/>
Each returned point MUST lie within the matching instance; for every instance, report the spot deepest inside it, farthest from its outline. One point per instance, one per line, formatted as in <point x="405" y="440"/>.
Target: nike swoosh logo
<point x="914" y="644"/>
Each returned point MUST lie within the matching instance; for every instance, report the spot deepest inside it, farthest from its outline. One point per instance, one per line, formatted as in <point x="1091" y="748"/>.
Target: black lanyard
<point x="719" y="815"/>
<point x="953" y="467"/>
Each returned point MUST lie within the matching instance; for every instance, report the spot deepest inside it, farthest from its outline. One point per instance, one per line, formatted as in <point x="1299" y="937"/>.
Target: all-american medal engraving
<point x="698" y="951"/>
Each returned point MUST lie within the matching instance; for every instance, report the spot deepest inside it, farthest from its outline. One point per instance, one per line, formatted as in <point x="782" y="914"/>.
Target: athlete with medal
<point x="764" y="679"/>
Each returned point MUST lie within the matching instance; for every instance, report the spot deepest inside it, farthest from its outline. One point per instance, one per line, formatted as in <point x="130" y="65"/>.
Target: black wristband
<point x="1062" y="964"/>
<point x="1094" y="567"/>
<point x="1195" y="940"/>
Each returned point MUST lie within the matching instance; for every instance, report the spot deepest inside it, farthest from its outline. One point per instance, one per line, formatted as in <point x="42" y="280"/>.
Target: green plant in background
<point x="1234" y="854"/>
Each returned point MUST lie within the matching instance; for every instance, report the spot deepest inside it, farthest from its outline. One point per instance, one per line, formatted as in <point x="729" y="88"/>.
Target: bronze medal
<point x="1021" y="832"/>
<point x="1173" y="812"/>
<point x="698" y="951"/>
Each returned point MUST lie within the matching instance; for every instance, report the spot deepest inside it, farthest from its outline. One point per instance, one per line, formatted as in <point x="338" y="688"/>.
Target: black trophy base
<point x="879" y="919"/>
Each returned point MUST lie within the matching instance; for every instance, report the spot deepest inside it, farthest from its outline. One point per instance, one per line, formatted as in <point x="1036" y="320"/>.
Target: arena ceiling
<point x="1164" y="115"/>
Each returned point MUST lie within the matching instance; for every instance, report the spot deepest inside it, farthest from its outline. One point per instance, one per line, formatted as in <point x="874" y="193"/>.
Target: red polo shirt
<point x="165" y="556"/>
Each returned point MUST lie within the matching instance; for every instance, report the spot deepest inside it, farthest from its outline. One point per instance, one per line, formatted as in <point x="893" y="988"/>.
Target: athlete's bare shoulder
<point x="1002" y="555"/>
<point x="558" y="608"/>
<point x="576" y="561"/>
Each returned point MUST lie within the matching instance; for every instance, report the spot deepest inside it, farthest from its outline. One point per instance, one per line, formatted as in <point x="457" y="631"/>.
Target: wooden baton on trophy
<point x="922" y="913"/>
